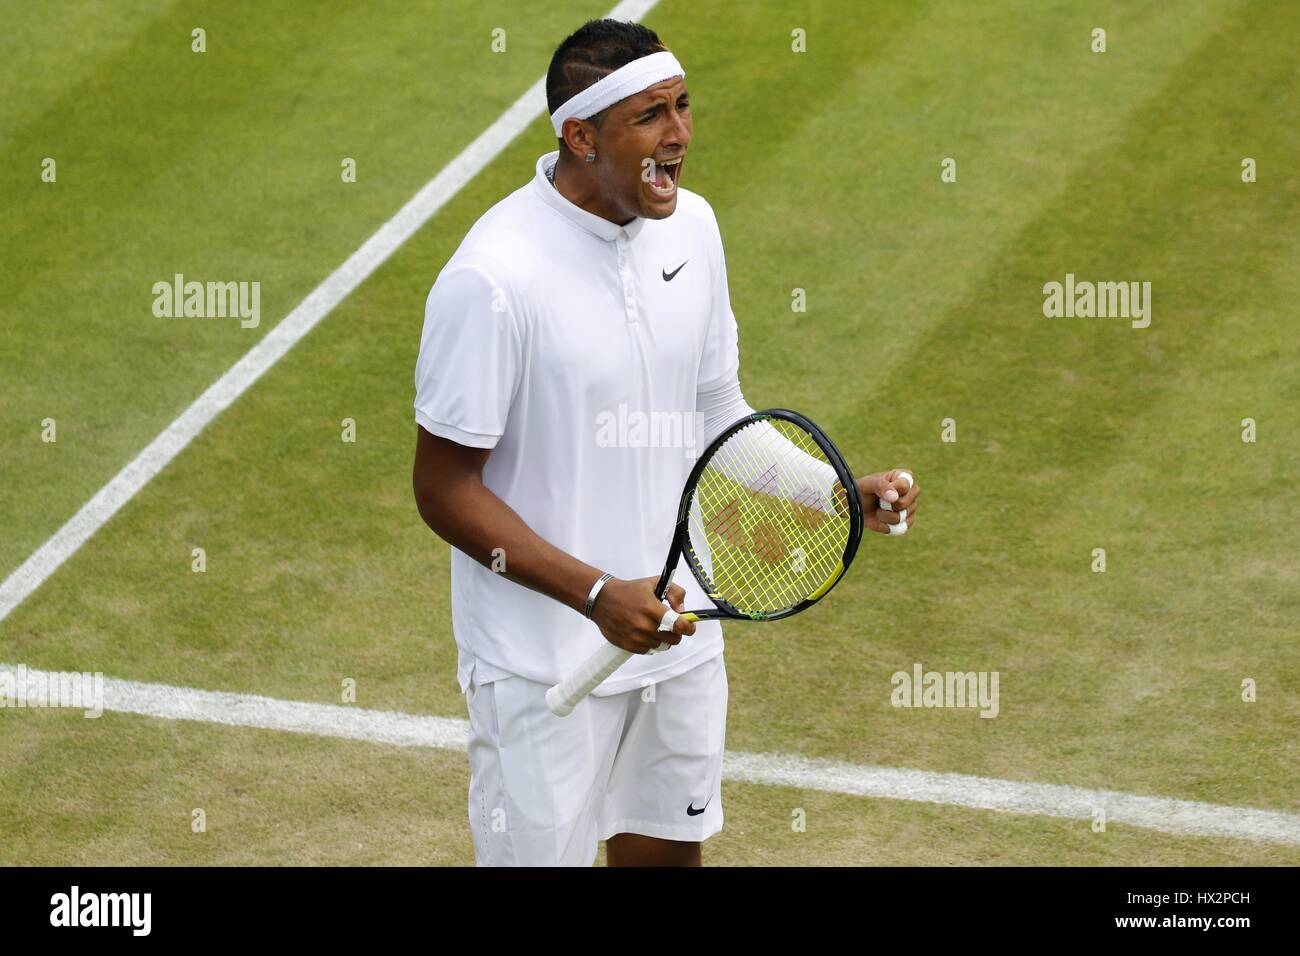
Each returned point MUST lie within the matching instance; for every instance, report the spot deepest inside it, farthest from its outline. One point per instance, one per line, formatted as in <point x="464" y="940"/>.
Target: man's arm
<point x="454" y="502"/>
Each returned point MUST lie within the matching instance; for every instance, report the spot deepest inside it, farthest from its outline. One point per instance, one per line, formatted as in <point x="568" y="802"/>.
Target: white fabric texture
<point x="544" y="790"/>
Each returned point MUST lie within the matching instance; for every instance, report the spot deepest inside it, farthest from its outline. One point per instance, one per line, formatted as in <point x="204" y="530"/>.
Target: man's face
<point x="640" y="146"/>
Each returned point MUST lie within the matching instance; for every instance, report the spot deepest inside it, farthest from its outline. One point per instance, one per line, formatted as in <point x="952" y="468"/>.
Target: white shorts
<point x="544" y="790"/>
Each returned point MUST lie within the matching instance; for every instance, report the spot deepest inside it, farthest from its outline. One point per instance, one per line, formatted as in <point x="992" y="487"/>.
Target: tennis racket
<point x="769" y="521"/>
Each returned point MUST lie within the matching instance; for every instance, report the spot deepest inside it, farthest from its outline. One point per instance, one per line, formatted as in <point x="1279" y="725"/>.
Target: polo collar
<point x="596" y="225"/>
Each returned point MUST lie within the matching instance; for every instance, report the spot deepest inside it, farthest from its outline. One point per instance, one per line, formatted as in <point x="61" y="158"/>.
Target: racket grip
<point x="589" y="675"/>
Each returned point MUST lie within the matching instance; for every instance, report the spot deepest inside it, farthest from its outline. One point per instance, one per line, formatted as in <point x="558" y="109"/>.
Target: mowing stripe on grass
<point x="1182" y="817"/>
<point x="287" y="333"/>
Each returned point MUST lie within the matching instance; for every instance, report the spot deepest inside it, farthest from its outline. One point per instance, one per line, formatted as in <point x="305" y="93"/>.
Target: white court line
<point x="1182" y="817"/>
<point x="65" y="542"/>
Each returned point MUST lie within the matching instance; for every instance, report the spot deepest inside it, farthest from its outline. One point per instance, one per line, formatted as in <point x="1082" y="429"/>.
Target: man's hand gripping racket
<point x="769" y="521"/>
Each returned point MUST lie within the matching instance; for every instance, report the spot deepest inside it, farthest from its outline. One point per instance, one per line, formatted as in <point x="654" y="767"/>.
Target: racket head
<point x="770" y="518"/>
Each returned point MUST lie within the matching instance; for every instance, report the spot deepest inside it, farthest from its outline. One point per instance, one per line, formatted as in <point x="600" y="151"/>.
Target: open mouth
<point x="664" y="183"/>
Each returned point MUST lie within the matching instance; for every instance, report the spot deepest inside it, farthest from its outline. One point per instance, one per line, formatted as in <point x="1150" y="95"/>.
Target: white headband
<point x="626" y="81"/>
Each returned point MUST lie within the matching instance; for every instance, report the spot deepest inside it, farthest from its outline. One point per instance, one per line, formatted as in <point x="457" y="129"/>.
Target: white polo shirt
<point x="596" y="361"/>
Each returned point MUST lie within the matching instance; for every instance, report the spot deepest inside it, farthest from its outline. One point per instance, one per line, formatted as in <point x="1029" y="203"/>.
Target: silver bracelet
<point x="595" y="590"/>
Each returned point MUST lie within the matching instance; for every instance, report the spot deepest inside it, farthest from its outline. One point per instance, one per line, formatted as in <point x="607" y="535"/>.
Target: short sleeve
<point x="471" y="357"/>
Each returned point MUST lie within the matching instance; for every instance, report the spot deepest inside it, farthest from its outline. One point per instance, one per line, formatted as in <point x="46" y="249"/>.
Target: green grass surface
<point x="124" y="789"/>
<point x="924" y="303"/>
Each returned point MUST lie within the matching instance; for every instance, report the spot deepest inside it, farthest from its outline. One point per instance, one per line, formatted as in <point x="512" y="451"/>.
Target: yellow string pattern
<point x="769" y="520"/>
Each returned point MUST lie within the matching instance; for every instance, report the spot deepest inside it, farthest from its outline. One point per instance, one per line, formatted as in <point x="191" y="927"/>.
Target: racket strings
<point x="770" y="547"/>
<point x="766" y="527"/>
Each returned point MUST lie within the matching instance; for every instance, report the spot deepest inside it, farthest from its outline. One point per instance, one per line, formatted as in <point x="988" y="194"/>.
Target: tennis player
<point x="579" y="351"/>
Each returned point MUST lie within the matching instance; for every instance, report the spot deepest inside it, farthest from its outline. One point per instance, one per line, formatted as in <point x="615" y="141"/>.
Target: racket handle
<point x="589" y="675"/>
<point x="568" y="693"/>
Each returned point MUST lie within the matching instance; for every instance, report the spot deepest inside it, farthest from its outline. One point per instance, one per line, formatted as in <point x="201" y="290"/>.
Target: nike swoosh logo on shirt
<point x="690" y="807"/>
<point x="668" y="276"/>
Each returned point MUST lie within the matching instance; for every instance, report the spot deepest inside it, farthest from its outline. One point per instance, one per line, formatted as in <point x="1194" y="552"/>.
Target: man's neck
<point x="576" y="188"/>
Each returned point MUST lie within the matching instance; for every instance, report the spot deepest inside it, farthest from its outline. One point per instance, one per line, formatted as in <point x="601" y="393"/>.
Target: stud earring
<point x="591" y="157"/>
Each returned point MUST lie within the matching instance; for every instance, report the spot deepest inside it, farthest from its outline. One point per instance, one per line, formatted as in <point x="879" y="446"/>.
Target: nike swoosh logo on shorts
<point x="692" y="812"/>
